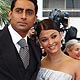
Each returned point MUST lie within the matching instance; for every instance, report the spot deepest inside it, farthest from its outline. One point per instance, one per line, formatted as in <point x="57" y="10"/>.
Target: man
<point x="22" y="17"/>
<point x="68" y="32"/>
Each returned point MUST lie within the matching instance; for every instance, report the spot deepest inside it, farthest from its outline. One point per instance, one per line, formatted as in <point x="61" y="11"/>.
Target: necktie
<point x="24" y="52"/>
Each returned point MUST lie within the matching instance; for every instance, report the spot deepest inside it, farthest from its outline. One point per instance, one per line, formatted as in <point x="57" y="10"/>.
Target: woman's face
<point x="50" y="40"/>
<point x="75" y="51"/>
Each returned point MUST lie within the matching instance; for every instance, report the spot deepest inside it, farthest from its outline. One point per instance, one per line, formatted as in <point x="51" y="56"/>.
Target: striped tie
<point x="24" y="52"/>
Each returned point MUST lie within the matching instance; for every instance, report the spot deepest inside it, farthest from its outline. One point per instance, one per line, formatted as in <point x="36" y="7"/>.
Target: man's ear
<point x="10" y="14"/>
<point x="35" y="19"/>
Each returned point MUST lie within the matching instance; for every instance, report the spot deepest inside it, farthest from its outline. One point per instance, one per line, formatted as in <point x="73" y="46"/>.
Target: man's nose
<point x="24" y="15"/>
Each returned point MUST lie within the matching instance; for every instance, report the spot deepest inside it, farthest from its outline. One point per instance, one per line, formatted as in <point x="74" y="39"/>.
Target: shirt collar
<point x="13" y="33"/>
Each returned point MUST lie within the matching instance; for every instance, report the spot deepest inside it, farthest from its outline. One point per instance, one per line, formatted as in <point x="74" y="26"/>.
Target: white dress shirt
<point x="15" y="37"/>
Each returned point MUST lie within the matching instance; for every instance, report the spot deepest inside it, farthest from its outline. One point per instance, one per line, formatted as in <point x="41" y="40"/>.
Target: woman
<point x="73" y="48"/>
<point x="55" y="65"/>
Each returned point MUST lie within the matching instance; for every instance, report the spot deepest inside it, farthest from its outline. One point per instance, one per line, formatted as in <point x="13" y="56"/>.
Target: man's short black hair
<point x="33" y="1"/>
<point x="65" y="21"/>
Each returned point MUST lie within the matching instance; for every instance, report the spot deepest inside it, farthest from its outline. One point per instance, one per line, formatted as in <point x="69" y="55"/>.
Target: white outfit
<point x="48" y="74"/>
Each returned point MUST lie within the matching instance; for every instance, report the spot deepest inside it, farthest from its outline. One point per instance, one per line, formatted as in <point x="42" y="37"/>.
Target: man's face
<point x="23" y="16"/>
<point x="65" y="23"/>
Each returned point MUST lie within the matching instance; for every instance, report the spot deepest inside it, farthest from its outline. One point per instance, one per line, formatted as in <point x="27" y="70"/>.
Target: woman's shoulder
<point x="74" y="61"/>
<point x="74" y="64"/>
<point x="76" y="67"/>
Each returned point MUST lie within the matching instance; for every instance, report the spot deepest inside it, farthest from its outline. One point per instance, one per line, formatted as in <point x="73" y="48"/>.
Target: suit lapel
<point x="36" y="50"/>
<point x="37" y="53"/>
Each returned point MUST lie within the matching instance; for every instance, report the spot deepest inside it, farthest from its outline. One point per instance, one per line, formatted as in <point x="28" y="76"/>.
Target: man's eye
<point x="19" y="11"/>
<point x="29" y="12"/>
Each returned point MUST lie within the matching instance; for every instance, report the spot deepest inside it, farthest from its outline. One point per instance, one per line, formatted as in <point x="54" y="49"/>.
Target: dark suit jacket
<point x="9" y="68"/>
<point x="71" y="33"/>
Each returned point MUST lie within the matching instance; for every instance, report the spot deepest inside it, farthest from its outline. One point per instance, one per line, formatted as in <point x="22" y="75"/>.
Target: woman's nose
<point x="50" y="41"/>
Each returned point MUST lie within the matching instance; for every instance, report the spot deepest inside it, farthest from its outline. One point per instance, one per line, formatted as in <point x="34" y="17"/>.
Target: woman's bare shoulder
<point x="74" y="62"/>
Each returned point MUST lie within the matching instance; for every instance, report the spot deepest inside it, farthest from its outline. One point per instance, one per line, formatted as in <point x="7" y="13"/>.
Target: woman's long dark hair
<point x="47" y="24"/>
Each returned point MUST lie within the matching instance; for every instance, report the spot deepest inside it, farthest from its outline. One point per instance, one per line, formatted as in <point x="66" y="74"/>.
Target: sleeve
<point x="72" y="32"/>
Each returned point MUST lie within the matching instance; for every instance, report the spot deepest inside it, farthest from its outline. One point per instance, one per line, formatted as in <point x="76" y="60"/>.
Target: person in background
<point x="55" y="65"/>
<point x="31" y="34"/>
<point x="73" y="48"/>
<point x="22" y="17"/>
<point x="68" y="32"/>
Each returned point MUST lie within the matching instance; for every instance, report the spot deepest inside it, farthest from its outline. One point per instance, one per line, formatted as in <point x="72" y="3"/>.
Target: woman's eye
<point x="54" y="36"/>
<point x="44" y="40"/>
